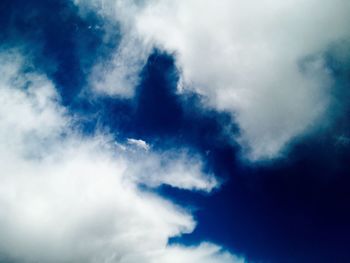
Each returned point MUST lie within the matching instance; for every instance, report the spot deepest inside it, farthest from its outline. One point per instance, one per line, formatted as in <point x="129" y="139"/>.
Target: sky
<point x="188" y="131"/>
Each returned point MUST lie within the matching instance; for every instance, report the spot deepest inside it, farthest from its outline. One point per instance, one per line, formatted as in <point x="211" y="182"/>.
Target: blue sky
<point x="163" y="131"/>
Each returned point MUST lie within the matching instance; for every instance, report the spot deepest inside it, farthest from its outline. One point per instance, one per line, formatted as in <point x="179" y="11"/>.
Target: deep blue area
<point x="294" y="210"/>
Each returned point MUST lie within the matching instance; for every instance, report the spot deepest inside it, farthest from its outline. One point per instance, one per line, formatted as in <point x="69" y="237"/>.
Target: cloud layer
<point x="262" y="61"/>
<point x="66" y="197"/>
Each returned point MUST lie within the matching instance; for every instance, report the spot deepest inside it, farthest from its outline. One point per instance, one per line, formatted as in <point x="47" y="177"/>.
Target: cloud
<point x="138" y="143"/>
<point x="205" y="253"/>
<point x="66" y="197"/>
<point x="262" y="61"/>
<point x="118" y="75"/>
<point x="175" y="168"/>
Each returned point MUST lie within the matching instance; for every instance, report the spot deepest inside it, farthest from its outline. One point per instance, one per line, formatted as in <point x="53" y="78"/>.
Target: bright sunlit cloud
<point x="261" y="61"/>
<point x="66" y="197"/>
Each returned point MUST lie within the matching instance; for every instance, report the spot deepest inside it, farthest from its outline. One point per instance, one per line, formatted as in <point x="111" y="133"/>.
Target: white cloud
<point x="205" y="253"/>
<point x="119" y="74"/>
<point x="259" y="60"/>
<point x="138" y="143"/>
<point x="69" y="198"/>
<point x="175" y="168"/>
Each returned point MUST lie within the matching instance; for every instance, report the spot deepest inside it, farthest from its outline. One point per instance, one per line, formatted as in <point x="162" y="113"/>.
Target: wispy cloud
<point x="139" y="143"/>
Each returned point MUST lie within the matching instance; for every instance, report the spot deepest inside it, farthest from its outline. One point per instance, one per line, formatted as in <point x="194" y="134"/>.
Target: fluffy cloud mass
<point x="66" y="197"/>
<point x="262" y="61"/>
